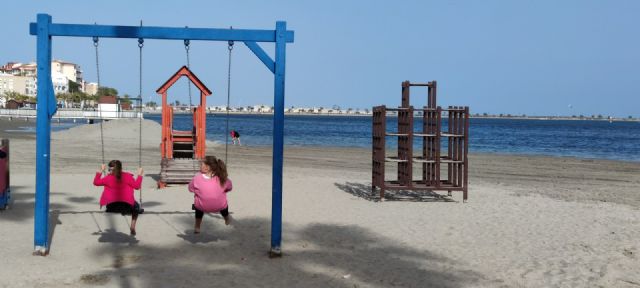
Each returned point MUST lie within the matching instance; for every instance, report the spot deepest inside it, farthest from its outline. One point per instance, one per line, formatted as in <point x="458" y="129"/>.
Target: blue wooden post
<point x="278" y="139"/>
<point x="43" y="135"/>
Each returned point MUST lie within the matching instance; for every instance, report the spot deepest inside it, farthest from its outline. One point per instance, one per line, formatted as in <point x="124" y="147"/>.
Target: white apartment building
<point x="70" y="70"/>
<point x="60" y="82"/>
<point x="21" y="84"/>
<point x="61" y="73"/>
<point x="27" y="85"/>
<point x="6" y="83"/>
<point x="261" y="109"/>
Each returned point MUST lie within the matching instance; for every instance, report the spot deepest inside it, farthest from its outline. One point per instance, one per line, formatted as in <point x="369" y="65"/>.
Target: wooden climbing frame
<point x="439" y="171"/>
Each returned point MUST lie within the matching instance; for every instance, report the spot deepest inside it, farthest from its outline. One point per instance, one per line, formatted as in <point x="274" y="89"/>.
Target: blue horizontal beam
<point x="257" y="50"/>
<point x="171" y="33"/>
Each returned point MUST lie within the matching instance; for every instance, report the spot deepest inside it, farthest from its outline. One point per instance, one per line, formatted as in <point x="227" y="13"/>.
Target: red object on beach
<point x="181" y="150"/>
<point x="5" y="188"/>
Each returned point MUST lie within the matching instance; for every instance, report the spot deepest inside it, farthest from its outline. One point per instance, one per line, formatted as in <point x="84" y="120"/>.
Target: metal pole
<point x="278" y="140"/>
<point x="43" y="136"/>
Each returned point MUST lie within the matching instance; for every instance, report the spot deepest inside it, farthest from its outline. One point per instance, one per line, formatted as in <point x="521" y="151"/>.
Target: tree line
<point x="74" y="98"/>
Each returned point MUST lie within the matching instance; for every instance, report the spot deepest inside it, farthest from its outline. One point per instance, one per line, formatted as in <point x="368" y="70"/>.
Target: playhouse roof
<point x="184" y="71"/>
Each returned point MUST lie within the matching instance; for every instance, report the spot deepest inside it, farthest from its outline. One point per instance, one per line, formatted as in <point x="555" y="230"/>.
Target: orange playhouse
<point x="181" y="150"/>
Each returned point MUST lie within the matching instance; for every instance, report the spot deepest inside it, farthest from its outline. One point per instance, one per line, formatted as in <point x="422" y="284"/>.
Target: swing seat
<point x="124" y="208"/>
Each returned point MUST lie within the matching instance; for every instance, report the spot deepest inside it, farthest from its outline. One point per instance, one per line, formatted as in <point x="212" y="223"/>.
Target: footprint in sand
<point x="94" y="279"/>
<point x="122" y="261"/>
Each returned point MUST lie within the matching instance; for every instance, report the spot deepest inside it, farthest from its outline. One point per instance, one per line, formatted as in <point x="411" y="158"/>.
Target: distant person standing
<point x="235" y="137"/>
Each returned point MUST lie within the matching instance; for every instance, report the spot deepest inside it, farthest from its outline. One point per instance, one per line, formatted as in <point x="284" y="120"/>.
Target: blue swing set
<point x="44" y="30"/>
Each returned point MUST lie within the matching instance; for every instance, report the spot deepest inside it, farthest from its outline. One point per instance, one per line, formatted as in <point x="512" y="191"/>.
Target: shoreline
<point x="366" y="114"/>
<point x="12" y="130"/>
<point x="545" y="118"/>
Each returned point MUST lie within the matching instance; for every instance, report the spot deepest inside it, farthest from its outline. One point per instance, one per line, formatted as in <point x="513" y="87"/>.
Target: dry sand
<point x="529" y="222"/>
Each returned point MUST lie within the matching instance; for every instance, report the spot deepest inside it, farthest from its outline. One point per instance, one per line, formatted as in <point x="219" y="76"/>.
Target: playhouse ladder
<point x="183" y="144"/>
<point x="178" y="171"/>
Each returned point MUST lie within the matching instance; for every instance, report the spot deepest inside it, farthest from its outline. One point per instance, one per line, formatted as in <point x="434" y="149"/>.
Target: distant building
<point x="91" y="88"/>
<point x="61" y="73"/>
<point x="6" y="83"/>
<point x="13" y="104"/>
<point x="70" y="70"/>
<point x="26" y="85"/>
<point x="108" y="106"/>
<point x="19" y="69"/>
<point x="60" y="83"/>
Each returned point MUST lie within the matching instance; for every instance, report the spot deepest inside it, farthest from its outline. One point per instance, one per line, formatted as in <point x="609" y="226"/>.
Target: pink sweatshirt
<point x="117" y="191"/>
<point x="209" y="195"/>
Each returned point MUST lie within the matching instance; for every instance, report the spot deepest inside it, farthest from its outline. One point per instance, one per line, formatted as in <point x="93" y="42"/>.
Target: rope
<point x="140" y="45"/>
<point x="95" y="44"/>
<point x="226" y="142"/>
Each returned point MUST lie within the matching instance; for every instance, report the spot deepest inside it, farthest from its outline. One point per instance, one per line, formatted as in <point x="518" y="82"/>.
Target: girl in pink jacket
<point x="118" y="191"/>
<point x="210" y="188"/>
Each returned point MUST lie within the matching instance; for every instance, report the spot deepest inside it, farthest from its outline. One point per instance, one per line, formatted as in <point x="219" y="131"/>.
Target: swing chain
<point x="96" y="44"/>
<point x="140" y="45"/>
<point x="186" y="48"/>
<point x="226" y="142"/>
<point x="230" y="41"/>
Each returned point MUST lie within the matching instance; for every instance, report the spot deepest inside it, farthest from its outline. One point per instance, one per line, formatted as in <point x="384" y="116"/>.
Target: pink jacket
<point x="117" y="191"/>
<point x="209" y="195"/>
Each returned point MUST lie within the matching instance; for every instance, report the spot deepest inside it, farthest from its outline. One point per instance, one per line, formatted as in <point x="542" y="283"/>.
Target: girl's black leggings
<point x="199" y="214"/>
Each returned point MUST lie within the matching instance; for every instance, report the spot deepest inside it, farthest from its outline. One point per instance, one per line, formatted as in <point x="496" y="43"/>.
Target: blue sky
<point x="518" y="57"/>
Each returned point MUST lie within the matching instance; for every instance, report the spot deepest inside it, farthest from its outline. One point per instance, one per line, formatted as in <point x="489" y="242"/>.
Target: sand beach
<point x="531" y="221"/>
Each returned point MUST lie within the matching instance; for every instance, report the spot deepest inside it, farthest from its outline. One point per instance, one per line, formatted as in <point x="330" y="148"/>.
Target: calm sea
<point x="583" y="139"/>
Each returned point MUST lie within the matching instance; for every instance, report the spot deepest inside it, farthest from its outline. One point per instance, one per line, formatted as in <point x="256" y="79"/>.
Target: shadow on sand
<point x="364" y="191"/>
<point x="317" y="255"/>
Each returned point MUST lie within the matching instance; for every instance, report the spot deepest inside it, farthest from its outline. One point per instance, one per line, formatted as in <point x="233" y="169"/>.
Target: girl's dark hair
<point x="218" y="168"/>
<point x="117" y="168"/>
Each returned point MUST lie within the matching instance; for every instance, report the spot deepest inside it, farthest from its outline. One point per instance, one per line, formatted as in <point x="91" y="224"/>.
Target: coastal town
<point x="18" y="90"/>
